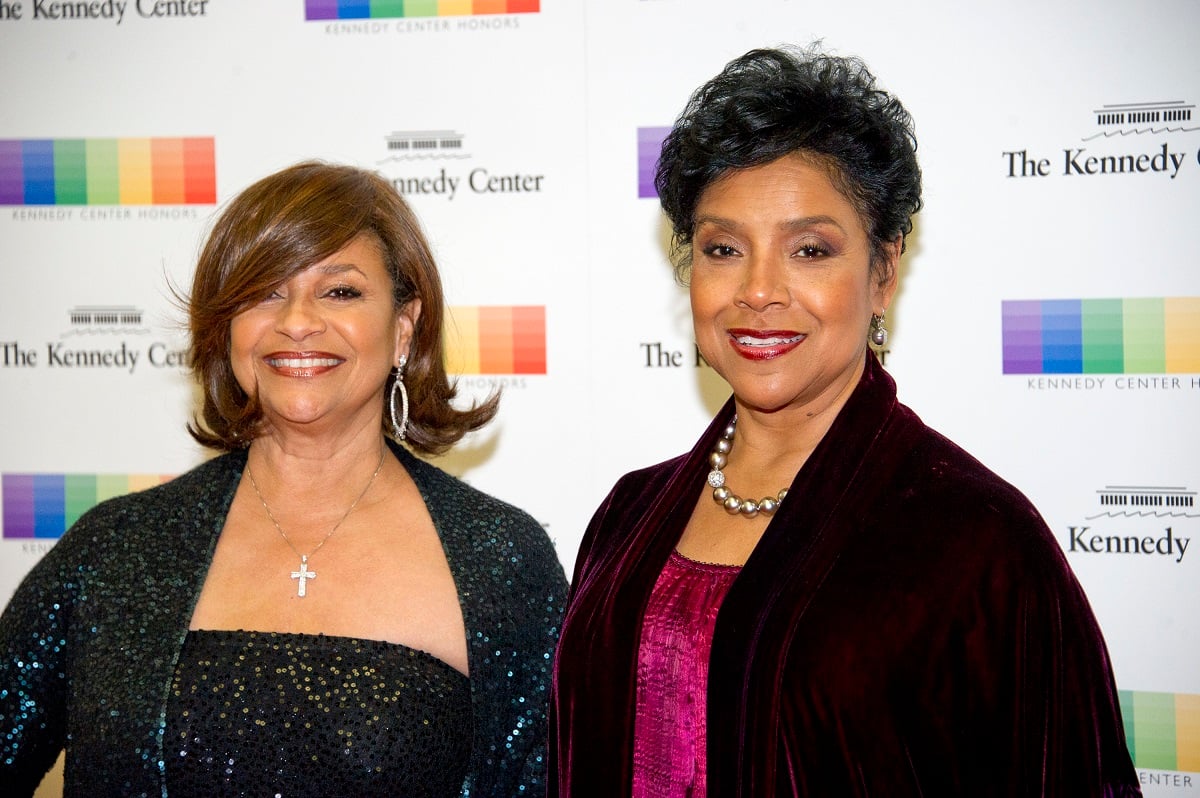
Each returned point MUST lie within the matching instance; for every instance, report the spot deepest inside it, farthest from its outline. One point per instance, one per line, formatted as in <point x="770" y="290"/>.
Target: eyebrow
<point x="791" y="224"/>
<point x="340" y="268"/>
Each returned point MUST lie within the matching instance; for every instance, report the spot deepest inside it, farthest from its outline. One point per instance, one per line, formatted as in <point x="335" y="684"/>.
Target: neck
<point x="292" y="447"/>
<point x="320" y="472"/>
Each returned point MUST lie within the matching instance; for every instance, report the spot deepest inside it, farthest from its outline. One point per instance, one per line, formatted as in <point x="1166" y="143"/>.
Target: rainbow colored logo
<point x="46" y="505"/>
<point x="1162" y="729"/>
<point x="649" y="147"/>
<point x="496" y="340"/>
<point x="158" y="171"/>
<point x="390" y="9"/>
<point x="1102" y="336"/>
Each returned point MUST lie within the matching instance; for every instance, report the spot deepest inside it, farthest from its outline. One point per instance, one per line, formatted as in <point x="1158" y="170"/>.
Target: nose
<point x="299" y="317"/>
<point x="764" y="283"/>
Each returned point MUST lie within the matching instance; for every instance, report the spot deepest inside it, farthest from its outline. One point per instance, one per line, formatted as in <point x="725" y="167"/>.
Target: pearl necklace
<point x="734" y="504"/>
<point x="303" y="574"/>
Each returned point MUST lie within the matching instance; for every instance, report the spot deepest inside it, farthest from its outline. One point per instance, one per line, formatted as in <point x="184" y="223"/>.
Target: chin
<point x="769" y="403"/>
<point x="293" y="415"/>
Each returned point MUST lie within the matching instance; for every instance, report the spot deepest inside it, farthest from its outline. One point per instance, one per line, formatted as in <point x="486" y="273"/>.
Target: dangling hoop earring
<point x="879" y="334"/>
<point x="399" y="426"/>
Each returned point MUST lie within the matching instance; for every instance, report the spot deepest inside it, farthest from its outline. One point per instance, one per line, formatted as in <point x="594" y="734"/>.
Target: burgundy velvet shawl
<point x="906" y="626"/>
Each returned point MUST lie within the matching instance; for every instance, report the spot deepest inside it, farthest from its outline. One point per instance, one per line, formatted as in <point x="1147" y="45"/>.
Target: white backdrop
<point x="1048" y="178"/>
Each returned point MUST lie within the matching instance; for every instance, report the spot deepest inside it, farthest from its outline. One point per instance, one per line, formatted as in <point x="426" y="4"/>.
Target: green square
<point x="1145" y="336"/>
<point x="387" y="9"/>
<point x="421" y="8"/>
<point x="70" y="172"/>
<point x="1154" y="728"/>
<point x="103" y="172"/>
<point x="79" y="496"/>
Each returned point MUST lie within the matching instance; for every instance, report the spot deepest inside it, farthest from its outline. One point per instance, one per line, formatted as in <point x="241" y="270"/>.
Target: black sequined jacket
<point x="90" y="640"/>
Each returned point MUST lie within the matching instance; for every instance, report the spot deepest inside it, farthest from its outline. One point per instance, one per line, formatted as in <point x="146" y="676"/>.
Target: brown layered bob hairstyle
<point x="275" y="229"/>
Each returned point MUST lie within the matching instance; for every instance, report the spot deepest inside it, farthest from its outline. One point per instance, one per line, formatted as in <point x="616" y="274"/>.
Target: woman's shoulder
<point x="205" y="486"/>
<point x="949" y="523"/>
<point x="184" y="494"/>
<point x="468" y="519"/>
<point x="617" y="520"/>
<point x="649" y="477"/>
<point x="151" y="523"/>
<point x="446" y="490"/>
<point x="944" y="487"/>
<point x="938" y="464"/>
<point x="634" y="490"/>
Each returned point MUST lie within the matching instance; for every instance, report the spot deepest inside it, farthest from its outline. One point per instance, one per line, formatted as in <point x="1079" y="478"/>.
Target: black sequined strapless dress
<point x="271" y="714"/>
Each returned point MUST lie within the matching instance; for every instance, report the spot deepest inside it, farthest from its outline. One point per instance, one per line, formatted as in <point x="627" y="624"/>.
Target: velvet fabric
<point x="677" y="630"/>
<point x="907" y="625"/>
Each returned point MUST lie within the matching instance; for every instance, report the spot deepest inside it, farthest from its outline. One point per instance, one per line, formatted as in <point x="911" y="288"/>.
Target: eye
<point x="812" y="250"/>
<point x="343" y="292"/>
<point x="719" y="251"/>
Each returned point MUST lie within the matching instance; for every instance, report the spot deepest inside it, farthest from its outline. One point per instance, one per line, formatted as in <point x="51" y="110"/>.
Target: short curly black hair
<point x="770" y="103"/>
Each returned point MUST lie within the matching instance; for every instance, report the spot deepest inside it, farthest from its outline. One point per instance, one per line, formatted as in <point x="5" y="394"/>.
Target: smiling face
<point x="782" y="287"/>
<point x="318" y="350"/>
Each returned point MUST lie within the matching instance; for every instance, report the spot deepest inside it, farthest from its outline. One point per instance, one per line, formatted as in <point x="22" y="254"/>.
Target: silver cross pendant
<point x="303" y="575"/>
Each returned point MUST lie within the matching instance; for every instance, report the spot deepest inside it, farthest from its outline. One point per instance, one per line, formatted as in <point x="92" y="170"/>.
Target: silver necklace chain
<point x="303" y="574"/>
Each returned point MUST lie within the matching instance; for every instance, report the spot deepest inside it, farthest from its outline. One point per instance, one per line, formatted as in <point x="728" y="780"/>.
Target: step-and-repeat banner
<point x="1048" y="318"/>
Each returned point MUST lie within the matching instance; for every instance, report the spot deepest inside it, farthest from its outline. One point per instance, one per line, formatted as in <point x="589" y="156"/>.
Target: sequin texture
<point x="260" y="713"/>
<point x="90" y="642"/>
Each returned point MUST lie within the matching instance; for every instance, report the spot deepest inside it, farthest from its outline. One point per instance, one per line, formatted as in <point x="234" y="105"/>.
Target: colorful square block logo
<point x="133" y="171"/>
<point x="46" y="505"/>
<point x="1101" y="336"/>
<point x="1162" y="730"/>
<point x="496" y="339"/>
<point x="649" y="148"/>
<point x="392" y="9"/>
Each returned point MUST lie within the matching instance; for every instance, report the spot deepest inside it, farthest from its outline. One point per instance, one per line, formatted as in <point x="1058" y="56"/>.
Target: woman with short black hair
<point x="824" y="597"/>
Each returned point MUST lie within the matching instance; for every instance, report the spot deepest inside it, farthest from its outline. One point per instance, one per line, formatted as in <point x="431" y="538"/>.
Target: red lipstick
<point x="764" y="344"/>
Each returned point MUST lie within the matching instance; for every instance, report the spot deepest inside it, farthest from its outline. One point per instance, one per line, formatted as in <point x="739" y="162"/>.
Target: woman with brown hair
<point x="317" y="611"/>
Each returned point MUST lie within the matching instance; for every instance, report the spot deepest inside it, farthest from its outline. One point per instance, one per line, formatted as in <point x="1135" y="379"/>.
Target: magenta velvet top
<point x="672" y="677"/>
